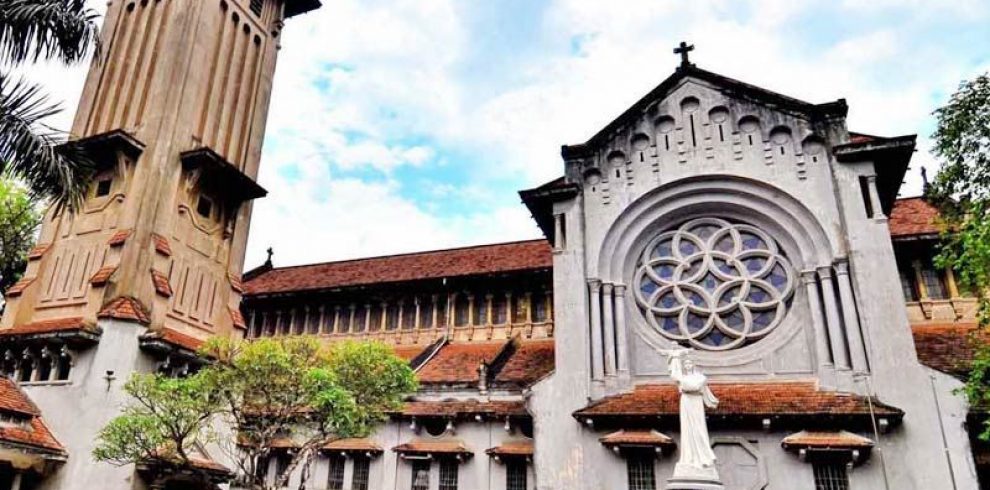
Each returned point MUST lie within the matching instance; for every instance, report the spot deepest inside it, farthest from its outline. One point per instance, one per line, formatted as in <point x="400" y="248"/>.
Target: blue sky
<point x="403" y="125"/>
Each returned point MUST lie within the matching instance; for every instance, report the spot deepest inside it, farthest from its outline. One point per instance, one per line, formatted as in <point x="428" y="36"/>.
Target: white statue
<point x="697" y="461"/>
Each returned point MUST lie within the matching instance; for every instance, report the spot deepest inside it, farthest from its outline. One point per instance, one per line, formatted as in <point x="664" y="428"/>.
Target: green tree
<point x="32" y="30"/>
<point x="272" y="394"/>
<point x="19" y="221"/>
<point x="962" y="192"/>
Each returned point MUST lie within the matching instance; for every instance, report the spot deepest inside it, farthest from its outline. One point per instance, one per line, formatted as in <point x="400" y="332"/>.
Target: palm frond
<point x="35" y="153"/>
<point x="52" y="29"/>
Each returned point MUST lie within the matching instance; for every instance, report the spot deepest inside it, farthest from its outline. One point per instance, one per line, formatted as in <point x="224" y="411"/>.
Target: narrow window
<point x="934" y="281"/>
<point x="694" y="137"/>
<point x="907" y="285"/>
<point x="539" y="307"/>
<point x="27" y="370"/>
<point x="864" y="190"/>
<point x="204" y="207"/>
<point x="64" y="367"/>
<point x="666" y="142"/>
<point x="103" y="187"/>
<point x="499" y="313"/>
<point x="515" y="475"/>
<point x="448" y="474"/>
<point x="362" y="473"/>
<point x="831" y="476"/>
<point x="639" y="467"/>
<point x="256" y="6"/>
<point x="750" y="139"/>
<point x="721" y="133"/>
<point x="335" y="481"/>
<point x="420" y="475"/>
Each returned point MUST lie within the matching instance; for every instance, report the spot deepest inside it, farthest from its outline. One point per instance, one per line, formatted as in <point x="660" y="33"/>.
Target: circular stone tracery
<point x="713" y="284"/>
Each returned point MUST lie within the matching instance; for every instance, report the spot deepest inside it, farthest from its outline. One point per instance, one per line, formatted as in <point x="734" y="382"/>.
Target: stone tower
<point x="174" y="112"/>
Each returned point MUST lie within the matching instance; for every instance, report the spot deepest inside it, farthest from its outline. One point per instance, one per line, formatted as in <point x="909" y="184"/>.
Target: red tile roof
<point x="637" y="438"/>
<point x="236" y="283"/>
<point x="102" y="276"/>
<point x="36" y="434"/>
<point x="125" y="308"/>
<point x="50" y="326"/>
<point x="512" y="448"/>
<point x="783" y="400"/>
<point x="237" y="318"/>
<point x="119" y="238"/>
<point x="160" y="281"/>
<point x="484" y="259"/>
<point x="161" y="244"/>
<point x="408" y="352"/>
<point x="39" y="251"/>
<point x="913" y="217"/>
<point x="946" y="347"/>
<point x="458" y="363"/>
<point x="175" y="339"/>
<point x="359" y="445"/>
<point x="447" y="447"/>
<point x="18" y="288"/>
<point x="464" y="408"/>
<point x="532" y="361"/>
<point x="826" y="440"/>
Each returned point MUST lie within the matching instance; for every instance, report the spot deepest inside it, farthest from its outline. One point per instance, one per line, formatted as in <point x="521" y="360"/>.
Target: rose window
<point x="713" y="284"/>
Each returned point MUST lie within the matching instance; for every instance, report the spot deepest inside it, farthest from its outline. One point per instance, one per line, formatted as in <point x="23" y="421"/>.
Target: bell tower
<point x="174" y="112"/>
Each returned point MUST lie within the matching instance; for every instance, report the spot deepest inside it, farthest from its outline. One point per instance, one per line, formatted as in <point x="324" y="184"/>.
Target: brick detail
<point x="119" y="238"/>
<point x="162" y="245"/>
<point x="39" y="251"/>
<point x="162" y="286"/>
<point x="102" y="276"/>
<point x="18" y="288"/>
<point x="125" y="308"/>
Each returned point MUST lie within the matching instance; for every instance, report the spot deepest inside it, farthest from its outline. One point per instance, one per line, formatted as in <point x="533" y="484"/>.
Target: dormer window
<point x="204" y="207"/>
<point x="14" y="421"/>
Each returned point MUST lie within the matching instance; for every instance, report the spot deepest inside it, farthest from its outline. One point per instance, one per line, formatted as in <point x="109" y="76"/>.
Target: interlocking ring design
<point x="713" y="284"/>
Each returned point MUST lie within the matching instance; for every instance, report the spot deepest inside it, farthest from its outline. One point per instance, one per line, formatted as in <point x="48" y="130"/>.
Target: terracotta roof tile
<point x="119" y="238"/>
<point x="531" y="362"/>
<point x="50" y="326"/>
<point x="360" y="445"/>
<point x="946" y="347"/>
<point x="162" y="245"/>
<point x="458" y="363"/>
<point x="125" y="308"/>
<point x="236" y="283"/>
<point x="446" y="447"/>
<point x="512" y="448"/>
<point x="408" y="352"/>
<point x="174" y="338"/>
<point x="796" y="400"/>
<point x="826" y="440"/>
<point x="913" y="217"/>
<point x="102" y="276"/>
<point x="18" y="288"/>
<point x="484" y="259"/>
<point x="464" y="408"/>
<point x="237" y="318"/>
<point x="36" y="434"/>
<point x="637" y="438"/>
<point x="162" y="285"/>
<point x="39" y="251"/>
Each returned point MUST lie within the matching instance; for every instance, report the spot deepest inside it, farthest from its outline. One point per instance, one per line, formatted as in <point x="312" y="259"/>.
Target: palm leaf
<point x="36" y="153"/>
<point x="35" y="29"/>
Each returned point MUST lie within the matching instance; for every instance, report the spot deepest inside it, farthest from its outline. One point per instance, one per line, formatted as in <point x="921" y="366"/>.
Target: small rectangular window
<point x="204" y="207"/>
<point x="831" y="476"/>
<point x="103" y="187"/>
<point x="448" y="474"/>
<point x="864" y="189"/>
<point x="515" y="475"/>
<point x="420" y="475"/>
<point x="907" y="285"/>
<point x="362" y="473"/>
<point x="639" y="467"/>
<point x="335" y="480"/>
<point x="934" y="282"/>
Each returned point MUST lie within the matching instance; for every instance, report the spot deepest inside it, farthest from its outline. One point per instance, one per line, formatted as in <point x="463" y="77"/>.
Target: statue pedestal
<point x="684" y="484"/>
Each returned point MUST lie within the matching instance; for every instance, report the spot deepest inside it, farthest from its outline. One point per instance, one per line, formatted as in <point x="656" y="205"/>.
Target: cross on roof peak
<point x="684" y="49"/>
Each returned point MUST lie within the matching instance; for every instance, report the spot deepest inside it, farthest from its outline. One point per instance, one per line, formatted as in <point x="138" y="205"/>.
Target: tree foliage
<point x="255" y="400"/>
<point x="19" y="221"/>
<point x="30" y="30"/>
<point x="962" y="192"/>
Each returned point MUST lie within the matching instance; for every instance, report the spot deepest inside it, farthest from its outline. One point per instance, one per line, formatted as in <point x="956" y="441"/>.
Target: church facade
<point x="750" y="227"/>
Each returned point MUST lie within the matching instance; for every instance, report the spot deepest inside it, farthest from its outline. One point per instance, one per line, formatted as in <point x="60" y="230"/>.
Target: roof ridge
<point x="405" y="254"/>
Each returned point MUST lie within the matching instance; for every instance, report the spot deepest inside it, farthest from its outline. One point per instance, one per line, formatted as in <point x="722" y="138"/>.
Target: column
<point x="620" y="329"/>
<point x="321" y="324"/>
<point x="351" y="327"/>
<point x="15" y="484"/>
<point x="871" y="184"/>
<point x="597" y="369"/>
<point x="817" y="321"/>
<point x="854" y="332"/>
<point x="471" y="319"/>
<point x="919" y="278"/>
<point x="529" y="307"/>
<point x="608" y="325"/>
<point x="950" y="282"/>
<point x="417" y="322"/>
<point x="489" y="320"/>
<point x="833" y="319"/>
